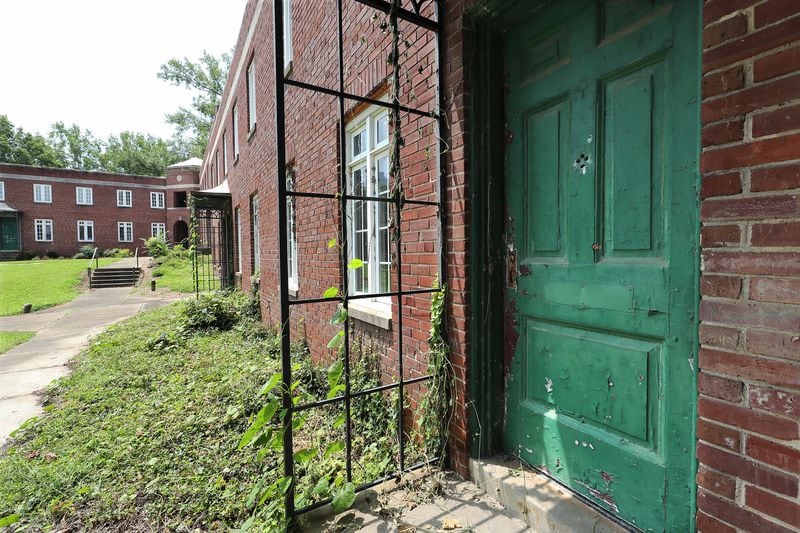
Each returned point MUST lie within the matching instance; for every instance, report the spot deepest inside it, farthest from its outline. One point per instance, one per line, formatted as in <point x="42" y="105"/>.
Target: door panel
<point x="9" y="235"/>
<point x="601" y="176"/>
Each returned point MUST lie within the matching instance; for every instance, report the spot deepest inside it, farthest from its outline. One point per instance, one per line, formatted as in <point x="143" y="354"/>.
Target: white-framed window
<point x="124" y="198"/>
<point x="85" y="231"/>
<point x="235" y="120"/>
<point x="287" y="34"/>
<point x="157" y="200"/>
<point x="125" y="231"/>
<point x="368" y="221"/>
<point x="216" y="164"/>
<point x="225" y="153"/>
<point x="251" y="95"/>
<point x="255" y="236"/>
<point x="43" y="229"/>
<point x="42" y="194"/>
<point x="291" y="233"/>
<point x="2" y="191"/>
<point x="83" y="196"/>
<point x="239" y="240"/>
<point x="158" y="229"/>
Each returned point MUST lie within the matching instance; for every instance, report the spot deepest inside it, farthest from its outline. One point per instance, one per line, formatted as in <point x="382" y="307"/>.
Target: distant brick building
<point x="60" y="210"/>
<point x="622" y="233"/>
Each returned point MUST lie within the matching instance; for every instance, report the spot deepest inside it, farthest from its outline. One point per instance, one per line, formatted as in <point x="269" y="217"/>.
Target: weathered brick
<point x="720" y="236"/>
<point x="775" y="178"/>
<point x="713" y="10"/>
<point x="778" y="344"/>
<point x="723" y="388"/>
<point x="719" y="336"/>
<point x="721" y="286"/>
<point x="721" y="184"/>
<point x="772" y="150"/>
<point x="773" y="11"/>
<point x="773" y="453"/>
<point x="716" y="482"/>
<point x="721" y="436"/>
<point x="736" y="515"/>
<point x="751" y="208"/>
<point x="709" y="524"/>
<point x="747" y="469"/>
<point x="779" y="234"/>
<point x="777" y="64"/>
<point x="754" y="43"/>
<point x="778" y="373"/>
<point x="723" y="132"/>
<point x="775" y="400"/>
<point x="764" y="263"/>
<point x="725" y="81"/>
<point x="770" y="122"/>
<point x="725" y="30"/>
<point x="776" y="290"/>
<point x="747" y="100"/>
<point x="784" y="510"/>
<point x="748" y="419"/>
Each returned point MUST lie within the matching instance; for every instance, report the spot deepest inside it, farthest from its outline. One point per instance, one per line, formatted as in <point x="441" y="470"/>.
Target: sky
<point x="94" y="62"/>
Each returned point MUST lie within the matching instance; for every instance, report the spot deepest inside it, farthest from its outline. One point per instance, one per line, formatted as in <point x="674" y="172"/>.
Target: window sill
<point x="373" y="313"/>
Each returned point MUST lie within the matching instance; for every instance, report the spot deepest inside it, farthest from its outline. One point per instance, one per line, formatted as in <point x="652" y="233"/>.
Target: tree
<point x="21" y="148"/>
<point x="138" y="153"/>
<point x="78" y="149"/>
<point x="206" y="78"/>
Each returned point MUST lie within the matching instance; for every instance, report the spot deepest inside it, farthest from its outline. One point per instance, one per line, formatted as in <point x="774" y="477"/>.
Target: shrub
<point x="52" y="254"/>
<point x="26" y="255"/>
<point x="118" y="253"/>
<point x="213" y="311"/>
<point x="86" y="251"/>
<point x="156" y="246"/>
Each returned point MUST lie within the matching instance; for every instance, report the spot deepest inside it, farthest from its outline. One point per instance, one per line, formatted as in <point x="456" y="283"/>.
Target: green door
<point x="9" y="234"/>
<point x="602" y="162"/>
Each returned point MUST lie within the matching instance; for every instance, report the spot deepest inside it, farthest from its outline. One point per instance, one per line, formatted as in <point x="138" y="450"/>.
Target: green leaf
<point x="331" y="243"/>
<point x="335" y="373"/>
<point x="284" y="483"/>
<point x="269" y="385"/>
<point x="251" y="498"/>
<point x="339" y="422"/>
<point x="339" y="317"/>
<point x="304" y="456"/>
<point x="8" y="520"/>
<point x="322" y="487"/>
<point x="333" y="448"/>
<point x="344" y="498"/>
<point x="336" y="341"/>
<point x="248" y="524"/>
<point x="331" y="292"/>
<point x="334" y="391"/>
<point x="355" y="263"/>
<point x="264" y="415"/>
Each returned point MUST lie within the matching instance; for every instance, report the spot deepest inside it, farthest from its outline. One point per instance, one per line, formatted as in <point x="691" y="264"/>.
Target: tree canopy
<point x="206" y="79"/>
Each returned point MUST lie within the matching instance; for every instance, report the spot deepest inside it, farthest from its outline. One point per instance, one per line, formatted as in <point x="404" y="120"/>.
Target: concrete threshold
<point x="540" y="502"/>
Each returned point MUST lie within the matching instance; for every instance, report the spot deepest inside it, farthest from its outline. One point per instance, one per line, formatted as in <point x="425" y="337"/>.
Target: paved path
<point x="61" y="332"/>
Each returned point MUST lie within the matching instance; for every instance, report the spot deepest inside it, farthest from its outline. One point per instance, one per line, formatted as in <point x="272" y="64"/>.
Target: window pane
<point x="382" y="129"/>
<point x="359" y="142"/>
<point x="382" y="184"/>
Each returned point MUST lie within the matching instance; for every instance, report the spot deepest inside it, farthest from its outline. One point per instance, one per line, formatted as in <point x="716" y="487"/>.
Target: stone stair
<point x="114" y="277"/>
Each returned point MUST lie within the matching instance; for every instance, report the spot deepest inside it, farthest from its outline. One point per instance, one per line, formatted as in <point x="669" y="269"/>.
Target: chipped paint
<point x="548" y="385"/>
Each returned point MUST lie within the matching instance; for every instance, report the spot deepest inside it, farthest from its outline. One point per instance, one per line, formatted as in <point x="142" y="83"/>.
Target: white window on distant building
<point x="83" y="196"/>
<point x="42" y="194"/>
<point x="255" y="236"/>
<point x="235" y="131"/>
<point x="125" y="231"/>
<point x="368" y="225"/>
<point x="287" y="34"/>
<point x="216" y="164"/>
<point x="44" y="229"/>
<point x="158" y="229"/>
<point x="251" y="96"/>
<point x="124" y="198"/>
<point x="157" y="200"/>
<point x="239" y="240"/>
<point x="225" y="153"/>
<point x="2" y="191"/>
<point x="85" y="231"/>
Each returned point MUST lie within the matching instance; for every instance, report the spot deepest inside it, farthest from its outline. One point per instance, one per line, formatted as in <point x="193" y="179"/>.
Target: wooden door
<point x="602" y="114"/>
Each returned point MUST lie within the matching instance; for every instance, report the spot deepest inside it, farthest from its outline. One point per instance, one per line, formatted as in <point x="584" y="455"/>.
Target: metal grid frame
<point x="395" y="12"/>
<point x="212" y="238"/>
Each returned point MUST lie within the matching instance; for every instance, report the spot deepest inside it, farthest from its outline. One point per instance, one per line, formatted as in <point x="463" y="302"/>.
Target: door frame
<point x="490" y="326"/>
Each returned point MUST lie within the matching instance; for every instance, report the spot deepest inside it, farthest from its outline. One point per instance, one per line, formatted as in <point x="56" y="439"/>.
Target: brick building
<point x="622" y="232"/>
<point x="60" y="210"/>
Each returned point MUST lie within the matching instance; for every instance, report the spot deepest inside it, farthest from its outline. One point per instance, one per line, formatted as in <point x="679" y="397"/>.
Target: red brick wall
<point x="749" y="382"/>
<point x="64" y="212"/>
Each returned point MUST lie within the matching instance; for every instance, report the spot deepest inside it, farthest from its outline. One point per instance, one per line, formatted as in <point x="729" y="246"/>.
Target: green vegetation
<point x="41" y="283"/>
<point x="174" y="269"/>
<point x="144" y="434"/>
<point x="9" y="339"/>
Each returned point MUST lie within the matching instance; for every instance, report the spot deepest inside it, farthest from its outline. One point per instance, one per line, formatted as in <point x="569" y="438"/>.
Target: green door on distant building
<point x="601" y="176"/>
<point x="9" y="233"/>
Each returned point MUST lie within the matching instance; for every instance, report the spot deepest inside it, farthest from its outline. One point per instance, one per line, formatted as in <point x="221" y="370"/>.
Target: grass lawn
<point x="143" y="435"/>
<point x="9" y="339"/>
<point x="41" y="283"/>
<point x="175" y="273"/>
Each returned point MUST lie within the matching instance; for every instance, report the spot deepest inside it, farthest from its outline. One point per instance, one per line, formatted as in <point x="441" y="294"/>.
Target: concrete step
<point x="110" y="270"/>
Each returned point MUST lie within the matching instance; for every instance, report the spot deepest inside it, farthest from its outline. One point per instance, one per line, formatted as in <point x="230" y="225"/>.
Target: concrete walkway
<point x="61" y="332"/>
